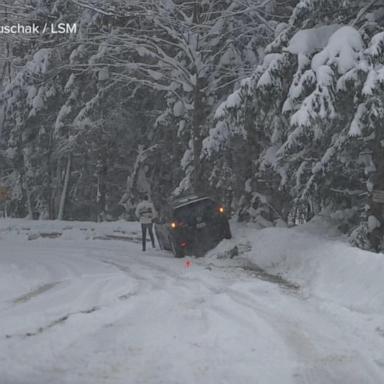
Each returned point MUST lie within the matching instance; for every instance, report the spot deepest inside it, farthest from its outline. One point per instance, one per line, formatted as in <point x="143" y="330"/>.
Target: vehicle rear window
<point x="203" y="210"/>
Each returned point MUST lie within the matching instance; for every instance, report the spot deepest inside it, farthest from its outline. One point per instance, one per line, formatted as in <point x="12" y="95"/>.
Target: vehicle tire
<point x="177" y="251"/>
<point x="160" y="241"/>
<point x="227" y="231"/>
<point x="159" y="238"/>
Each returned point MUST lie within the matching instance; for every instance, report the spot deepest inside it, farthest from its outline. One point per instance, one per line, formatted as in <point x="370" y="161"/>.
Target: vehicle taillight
<point x="183" y="244"/>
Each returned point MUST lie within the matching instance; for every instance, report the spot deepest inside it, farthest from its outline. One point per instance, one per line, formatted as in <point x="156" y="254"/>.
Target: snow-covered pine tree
<point x="57" y="122"/>
<point x="31" y="102"/>
<point x="310" y="146"/>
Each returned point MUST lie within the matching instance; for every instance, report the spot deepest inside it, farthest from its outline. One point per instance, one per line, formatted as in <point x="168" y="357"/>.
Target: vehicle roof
<point x="188" y="200"/>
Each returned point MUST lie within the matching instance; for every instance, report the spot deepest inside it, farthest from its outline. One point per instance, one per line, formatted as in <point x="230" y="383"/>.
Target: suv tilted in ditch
<point x="193" y="226"/>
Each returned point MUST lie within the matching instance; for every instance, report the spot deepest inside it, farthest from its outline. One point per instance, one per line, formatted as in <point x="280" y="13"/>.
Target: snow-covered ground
<point x="80" y="303"/>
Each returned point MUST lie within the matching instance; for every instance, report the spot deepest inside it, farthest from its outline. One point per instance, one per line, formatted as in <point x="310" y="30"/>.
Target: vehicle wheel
<point x="227" y="231"/>
<point x="177" y="251"/>
<point x="160" y="241"/>
<point x="159" y="238"/>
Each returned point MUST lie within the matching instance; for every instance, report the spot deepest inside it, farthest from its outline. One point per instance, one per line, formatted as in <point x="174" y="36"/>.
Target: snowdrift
<point x="320" y="261"/>
<point x="22" y="229"/>
<point x="313" y="256"/>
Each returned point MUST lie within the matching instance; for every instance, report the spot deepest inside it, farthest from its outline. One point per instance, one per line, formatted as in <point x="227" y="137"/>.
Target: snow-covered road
<point x="80" y="311"/>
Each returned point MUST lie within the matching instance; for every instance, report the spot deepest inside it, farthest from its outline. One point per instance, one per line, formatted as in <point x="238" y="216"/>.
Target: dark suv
<point x="193" y="226"/>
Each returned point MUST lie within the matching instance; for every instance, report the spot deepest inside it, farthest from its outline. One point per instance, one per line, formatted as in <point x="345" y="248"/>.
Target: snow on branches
<point x="322" y="83"/>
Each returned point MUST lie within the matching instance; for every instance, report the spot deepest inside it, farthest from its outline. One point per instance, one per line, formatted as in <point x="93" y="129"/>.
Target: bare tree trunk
<point x="65" y="189"/>
<point x="51" y="188"/>
<point x="197" y="114"/>
<point x="57" y="190"/>
<point x="29" y="204"/>
<point x="376" y="207"/>
<point x="101" y="189"/>
<point x="196" y="137"/>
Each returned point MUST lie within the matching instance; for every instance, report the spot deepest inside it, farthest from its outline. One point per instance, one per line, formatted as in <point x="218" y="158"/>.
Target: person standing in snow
<point x="145" y="212"/>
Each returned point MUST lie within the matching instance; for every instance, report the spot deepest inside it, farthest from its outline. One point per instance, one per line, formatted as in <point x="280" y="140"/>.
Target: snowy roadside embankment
<point x="312" y="256"/>
<point x="17" y="277"/>
<point x="21" y="229"/>
<point x="319" y="261"/>
<point x="78" y="309"/>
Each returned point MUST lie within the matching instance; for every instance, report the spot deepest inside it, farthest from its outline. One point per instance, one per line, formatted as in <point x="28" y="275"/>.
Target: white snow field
<point x="81" y="304"/>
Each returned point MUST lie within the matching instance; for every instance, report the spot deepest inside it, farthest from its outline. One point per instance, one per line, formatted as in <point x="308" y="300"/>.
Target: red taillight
<point x="183" y="244"/>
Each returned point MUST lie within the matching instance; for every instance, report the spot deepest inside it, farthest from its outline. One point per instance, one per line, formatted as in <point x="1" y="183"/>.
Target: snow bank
<point x="312" y="256"/>
<point x="16" y="277"/>
<point x="323" y="265"/>
<point x="22" y="229"/>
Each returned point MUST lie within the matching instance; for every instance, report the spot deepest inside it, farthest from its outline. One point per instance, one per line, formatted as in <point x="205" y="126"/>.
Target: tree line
<point x="274" y="105"/>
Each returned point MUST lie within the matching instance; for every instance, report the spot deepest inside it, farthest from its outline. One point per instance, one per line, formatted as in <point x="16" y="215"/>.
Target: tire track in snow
<point x="286" y="318"/>
<point x="142" y="280"/>
<point x="329" y="366"/>
<point x="53" y="323"/>
<point x="35" y="292"/>
<point x="317" y="367"/>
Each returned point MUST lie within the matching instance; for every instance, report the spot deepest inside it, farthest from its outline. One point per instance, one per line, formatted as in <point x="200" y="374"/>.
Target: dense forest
<point x="274" y="106"/>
